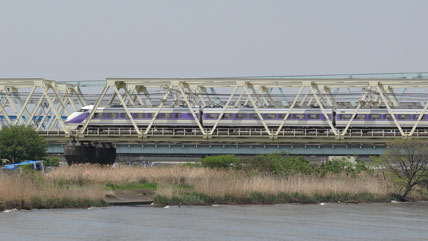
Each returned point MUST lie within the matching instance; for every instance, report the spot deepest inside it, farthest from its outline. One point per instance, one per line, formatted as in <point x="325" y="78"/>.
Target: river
<point x="406" y="221"/>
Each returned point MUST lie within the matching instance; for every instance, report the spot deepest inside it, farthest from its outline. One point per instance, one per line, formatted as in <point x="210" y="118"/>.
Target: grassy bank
<point x="35" y="191"/>
<point x="86" y="185"/>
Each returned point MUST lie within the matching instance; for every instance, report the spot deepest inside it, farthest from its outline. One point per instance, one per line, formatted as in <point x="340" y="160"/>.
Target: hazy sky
<point x="87" y="39"/>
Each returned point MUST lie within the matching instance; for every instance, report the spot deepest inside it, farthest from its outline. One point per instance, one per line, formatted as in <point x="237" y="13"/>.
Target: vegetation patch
<point x="131" y="186"/>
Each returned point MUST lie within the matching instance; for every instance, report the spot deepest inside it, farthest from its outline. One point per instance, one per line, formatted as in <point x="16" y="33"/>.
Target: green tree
<point x="19" y="143"/>
<point x="407" y="160"/>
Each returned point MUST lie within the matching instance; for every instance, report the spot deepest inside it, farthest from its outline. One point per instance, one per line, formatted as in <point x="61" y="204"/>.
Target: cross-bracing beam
<point x="289" y="111"/>
<point x="419" y="119"/>
<point x="355" y="112"/>
<point x="184" y="96"/>
<point x="223" y="111"/>
<point x="92" y="112"/>
<point x="247" y="85"/>
<point x="313" y="87"/>
<point x="381" y="91"/>
<point x="122" y="101"/>
<point x="163" y="100"/>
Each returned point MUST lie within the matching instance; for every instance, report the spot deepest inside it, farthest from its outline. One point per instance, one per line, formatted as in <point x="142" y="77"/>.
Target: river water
<point x="406" y="221"/>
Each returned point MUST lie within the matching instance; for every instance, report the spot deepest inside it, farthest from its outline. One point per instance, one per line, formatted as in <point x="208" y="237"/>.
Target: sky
<point x="93" y="40"/>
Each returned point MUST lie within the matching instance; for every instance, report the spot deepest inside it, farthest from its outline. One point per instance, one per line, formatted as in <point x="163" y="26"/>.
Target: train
<point x="115" y="116"/>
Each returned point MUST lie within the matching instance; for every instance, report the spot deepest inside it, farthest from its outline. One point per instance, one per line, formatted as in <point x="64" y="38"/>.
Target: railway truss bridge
<point x="357" y="114"/>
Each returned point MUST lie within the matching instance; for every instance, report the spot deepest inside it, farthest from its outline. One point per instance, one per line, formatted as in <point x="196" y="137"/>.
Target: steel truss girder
<point x="25" y="111"/>
<point x="194" y="91"/>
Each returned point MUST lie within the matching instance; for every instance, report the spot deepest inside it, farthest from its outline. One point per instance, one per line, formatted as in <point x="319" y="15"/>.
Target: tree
<point x="19" y="143"/>
<point x="408" y="161"/>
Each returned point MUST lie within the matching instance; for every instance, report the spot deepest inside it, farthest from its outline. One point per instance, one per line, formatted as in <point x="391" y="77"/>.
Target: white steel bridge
<point x="402" y="98"/>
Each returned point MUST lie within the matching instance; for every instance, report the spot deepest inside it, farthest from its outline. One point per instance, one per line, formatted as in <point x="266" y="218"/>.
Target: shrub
<point x="219" y="161"/>
<point x="51" y="161"/>
<point x="280" y="164"/>
<point x="338" y="166"/>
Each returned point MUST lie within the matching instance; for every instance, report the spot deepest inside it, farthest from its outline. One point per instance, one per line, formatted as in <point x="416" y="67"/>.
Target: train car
<point x="380" y="118"/>
<point x="116" y="116"/>
<point x="248" y="117"/>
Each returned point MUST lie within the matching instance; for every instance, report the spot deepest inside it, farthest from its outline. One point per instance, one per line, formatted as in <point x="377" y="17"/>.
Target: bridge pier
<point x="103" y="154"/>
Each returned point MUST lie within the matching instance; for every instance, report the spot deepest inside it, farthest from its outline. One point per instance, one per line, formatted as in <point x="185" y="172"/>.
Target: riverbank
<point x="88" y="185"/>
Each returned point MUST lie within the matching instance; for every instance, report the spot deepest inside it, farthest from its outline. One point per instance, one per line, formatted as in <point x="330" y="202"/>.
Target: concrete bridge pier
<point x="101" y="153"/>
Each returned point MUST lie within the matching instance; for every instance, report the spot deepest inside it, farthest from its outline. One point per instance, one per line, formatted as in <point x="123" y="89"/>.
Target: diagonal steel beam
<point x="381" y="91"/>
<point x="57" y="115"/>
<point x="191" y="109"/>
<point x="6" y="115"/>
<point x="224" y="110"/>
<point x="314" y="93"/>
<point x="257" y="109"/>
<point x="155" y="115"/>
<point x="199" y="93"/>
<point x="146" y="93"/>
<point x="304" y="98"/>
<point x="33" y="113"/>
<point x="239" y="99"/>
<point x="205" y="92"/>
<point x="128" y="96"/>
<point x="418" y="120"/>
<point x="91" y="114"/>
<point x="289" y="110"/>
<point x="61" y="101"/>
<point x="122" y="101"/>
<point x="355" y="112"/>
<point x="24" y="107"/>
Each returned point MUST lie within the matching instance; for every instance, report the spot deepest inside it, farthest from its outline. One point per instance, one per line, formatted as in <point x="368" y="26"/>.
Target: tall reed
<point x="34" y="191"/>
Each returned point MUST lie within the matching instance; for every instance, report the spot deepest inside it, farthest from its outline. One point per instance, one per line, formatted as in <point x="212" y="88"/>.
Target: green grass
<point x="132" y="186"/>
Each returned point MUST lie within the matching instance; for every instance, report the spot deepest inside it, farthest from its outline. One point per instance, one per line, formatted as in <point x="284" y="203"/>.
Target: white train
<point x="245" y="117"/>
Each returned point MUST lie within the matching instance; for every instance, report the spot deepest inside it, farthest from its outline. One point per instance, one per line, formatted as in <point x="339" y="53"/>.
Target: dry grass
<point x="68" y="186"/>
<point x="244" y="185"/>
<point x="96" y="174"/>
<point x="218" y="183"/>
<point x="33" y="191"/>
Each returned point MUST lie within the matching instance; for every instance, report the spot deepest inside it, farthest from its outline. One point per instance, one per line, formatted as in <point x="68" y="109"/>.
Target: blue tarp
<point x="16" y="165"/>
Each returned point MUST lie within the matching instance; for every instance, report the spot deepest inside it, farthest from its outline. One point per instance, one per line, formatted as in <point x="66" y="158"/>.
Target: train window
<point x="345" y="116"/>
<point x="416" y="117"/>
<point x="375" y="116"/>
<point x="112" y="115"/>
<point x="149" y="115"/>
<point x="404" y="117"/>
<point x="240" y="116"/>
<point x="124" y="116"/>
<point x="138" y="115"/>
<point x="212" y="116"/>
<point x="228" y="116"/>
<point x="299" y="116"/>
<point x="281" y="116"/>
<point x="313" y="116"/>
<point x="98" y="115"/>
<point x="360" y="117"/>
<point x="254" y="116"/>
<point x="269" y="116"/>
<point x="176" y="115"/>
<point x="388" y="117"/>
